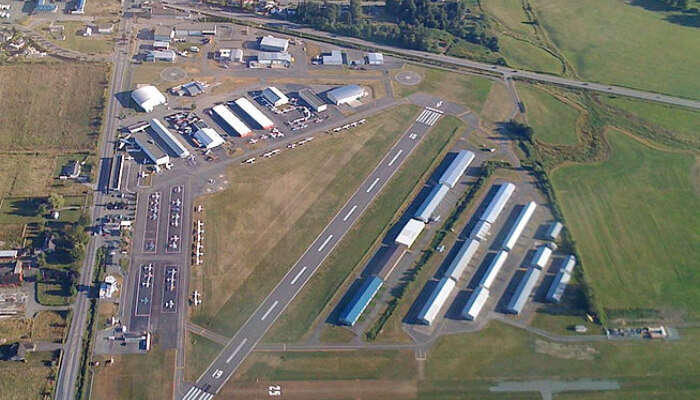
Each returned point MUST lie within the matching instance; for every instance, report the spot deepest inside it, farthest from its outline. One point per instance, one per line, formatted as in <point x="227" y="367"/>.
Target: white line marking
<point x="433" y="109"/>
<point x="269" y="310"/>
<point x="369" y="189"/>
<point x="395" y="157"/>
<point x="297" y="276"/>
<point x="328" y="239"/>
<point x="192" y="393"/>
<point x="207" y="396"/>
<point x="352" y="210"/>
<point x="228" y="360"/>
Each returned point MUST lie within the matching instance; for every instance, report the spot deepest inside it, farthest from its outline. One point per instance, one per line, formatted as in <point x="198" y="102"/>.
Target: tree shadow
<point x="685" y="17"/>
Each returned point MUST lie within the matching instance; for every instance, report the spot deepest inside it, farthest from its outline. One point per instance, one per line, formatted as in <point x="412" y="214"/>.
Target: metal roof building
<point x="375" y="58"/>
<point x="151" y="150"/>
<point x="334" y="58"/>
<point x="520" y="223"/>
<point x="493" y="269"/>
<point x="163" y="33"/>
<point x="561" y="280"/>
<point x="541" y="257"/>
<point x="523" y="291"/>
<point x="436" y="300"/>
<point x="498" y="202"/>
<point x="231" y="120"/>
<point x="346" y="94"/>
<point x="481" y="230"/>
<point x="271" y="43"/>
<point x="161" y="55"/>
<point x="457" y="168"/>
<point x="147" y="97"/>
<point x="431" y="203"/>
<point x="169" y="139"/>
<point x="462" y="259"/>
<point x="254" y="113"/>
<point x="269" y="58"/>
<point x="410" y="232"/>
<point x="312" y="100"/>
<point x="554" y="230"/>
<point x="8" y="253"/>
<point x="476" y="302"/>
<point x="360" y="301"/>
<point x="275" y="96"/>
<point x="208" y="138"/>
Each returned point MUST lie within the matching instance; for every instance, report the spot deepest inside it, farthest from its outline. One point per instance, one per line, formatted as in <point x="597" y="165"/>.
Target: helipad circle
<point x="173" y="74"/>
<point x="409" y="78"/>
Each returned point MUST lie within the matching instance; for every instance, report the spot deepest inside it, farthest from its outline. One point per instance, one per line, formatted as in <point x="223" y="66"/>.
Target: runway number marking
<point x="395" y="157"/>
<point x="297" y="276"/>
<point x="269" y="310"/>
<point x="274" y="390"/>
<point x="328" y="239"/>
<point x="228" y="360"/>
<point x="369" y="189"/>
<point x="352" y="210"/>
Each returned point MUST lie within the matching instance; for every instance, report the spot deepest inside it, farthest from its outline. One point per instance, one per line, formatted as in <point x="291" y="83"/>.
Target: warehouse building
<point x="235" y="55"/>
<point x="44" y="6"/>
<point x="161" y="55"/>
<point x="493" y="269"/>
<point x="541" y="257"/>
<point x="274" y="58"/>
<point x="554" y="230"/>
<point x="275" y="96"/>
<point x="457" y="168"/>
<point x="431" y="203"/>
<point x="231" y="121"/>
<point x="334" y="58"/>
<point x="312" y="100"/>
<point x="359" y="302"/>
<point x="255" y="114"/>
<point x="169" y="139"/>
<point x="561" y="280"/>
<point x="208" y="138"/>
<point x="436" y="301"/>
<point x="151" y="150"/>
<point x="476" y="302"/>
<point x="523" y="291"/>
<point x="462" y="259"/>
<point x="147" y="97"/>
<point x="271" y="43"/>
<point x="346" y="94"/>
<point x="498" y="202"/>
<point x="410" y="232"/>
<point x="375" y="58"/>
<point x="161" y="45"/>
<point x="520" y="223"/>
<point x="137" y="127"/>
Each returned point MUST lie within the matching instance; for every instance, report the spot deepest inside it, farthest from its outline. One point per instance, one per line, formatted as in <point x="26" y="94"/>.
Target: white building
<point x="208" y="138"/>
<point x="255" y="114"/>
<point x="410" y="232"/>
<point x="147" y="97"/>
<point x="271" y="43"/>
<point x="436" y="301"/>
<point x="108" y="287"/>
<point x="158" y="45"/>
<point x="334" y="58"/>
<point x="169" y="139"/>
<point x="275" y="96"/>
<point x="274" y="58"/>
<point x="476" y="302"/>
<point x="346" y="94"/>
<point x="375" y="58"/>
<point x="312" y="100"/>
<point x="231" y="120"/>
<point x="161" y="55"/>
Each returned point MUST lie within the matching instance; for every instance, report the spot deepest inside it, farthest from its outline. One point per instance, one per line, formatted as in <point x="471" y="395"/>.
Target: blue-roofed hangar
<point x="364" y="295"/>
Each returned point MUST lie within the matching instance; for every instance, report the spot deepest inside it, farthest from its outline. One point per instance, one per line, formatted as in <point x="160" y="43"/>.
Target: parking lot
<point x="174" y="230"/>
<point x="150" y="233"/>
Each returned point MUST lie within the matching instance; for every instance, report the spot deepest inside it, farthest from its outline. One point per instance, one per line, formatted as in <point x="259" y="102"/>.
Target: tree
<point x="84" y="220"/>
<point x="56" y="201"/>
<point x="77" y="252"/>
<point x="356" y="10"/>
<point x="43" y="209"/>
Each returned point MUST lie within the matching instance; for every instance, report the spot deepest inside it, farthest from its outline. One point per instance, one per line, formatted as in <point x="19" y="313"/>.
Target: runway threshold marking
<point x="240" y="345"/>
<point x="269" y="310"/>
<point x="395" y="157"/>
<point x="296" y="278"/>
<point x="352" y="210"/>
<point x="369" y="189"/>
<point x="328" y="239"/>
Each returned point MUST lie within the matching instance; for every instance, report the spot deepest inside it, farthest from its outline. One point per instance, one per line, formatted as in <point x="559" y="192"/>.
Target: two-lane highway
<point x="248" y="336"/>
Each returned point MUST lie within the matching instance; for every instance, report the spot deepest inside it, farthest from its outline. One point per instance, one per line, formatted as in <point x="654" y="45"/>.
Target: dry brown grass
<point x="10" y="235"/>
<point x="25" y="175"/>
<point x="498" y="105"/>
<point x="15" y="329"/>
<point x="342" y="389"/>
<point x="26" y="381"/>
<point x="48" y="326"/>
<point x="136" y="376"/>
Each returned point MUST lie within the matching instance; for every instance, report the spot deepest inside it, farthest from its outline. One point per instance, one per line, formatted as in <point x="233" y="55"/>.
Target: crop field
<point x="635" y="221"/>
<point x="278" y="208"/>
<point x="300" y="314"/>
<point x="56" y="107"/>
<point x="136" y="376"/>
<point x="29" y="380"/>
<point x="200" y="352"/>
<point x="552" y="120"/>
<point x="643" y="48"/>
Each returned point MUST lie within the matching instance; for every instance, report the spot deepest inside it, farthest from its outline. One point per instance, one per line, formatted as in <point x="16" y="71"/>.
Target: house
<point x="108" y="287"/>
<point x="12" y="277"/>
<point x="70" y="170"/>
<point x="16" y="351"/>
<point x="49" y="246"/>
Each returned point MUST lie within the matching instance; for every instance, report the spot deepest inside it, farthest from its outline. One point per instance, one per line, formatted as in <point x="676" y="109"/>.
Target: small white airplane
<point x="249" y="161"/>
<point x="146" y="284"/>
<point x="196" y="298"/>
<point x="148" y="267"/>
<point x="145" y="300"/>
<point x="169" y="304"/>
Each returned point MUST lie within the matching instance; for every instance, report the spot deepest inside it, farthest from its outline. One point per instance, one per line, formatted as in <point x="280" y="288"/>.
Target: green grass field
<point x="74" y="40"/>
<point x="303" y="189"/>
<point x="136" y="376"/>
<point x="511" y="14"/>
<point x="301" y="313"/>
<point x="552" y="120"/>
<point x="636" y="225"/>
<point x="200" y="352"/>
<point x="52" y="294"/>
<point x="27" y="381"/>
<point x="521" y="54"/>
<point x="617" y="42"/>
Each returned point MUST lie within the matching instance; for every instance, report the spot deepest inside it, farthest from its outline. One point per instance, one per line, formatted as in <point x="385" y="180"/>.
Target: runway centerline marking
<point x="395" y="157"/>
<point x="240" y="345"/>
<point x="269" y="310"/>
<point x="369" y="189"/>
<point x="328" y="239"/>
<point x="352" y="210"/>
<point x="296" y="278"/>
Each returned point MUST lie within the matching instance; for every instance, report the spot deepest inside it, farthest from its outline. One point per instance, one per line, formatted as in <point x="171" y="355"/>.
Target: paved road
<point x="247" y="337"/>
<point x="504" y="71"/>
<point x="70" y="362"/>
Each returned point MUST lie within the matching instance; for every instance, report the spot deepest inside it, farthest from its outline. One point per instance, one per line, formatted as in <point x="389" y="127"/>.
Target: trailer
<point x="255" y="114"/>
<point x="520" y="223"/>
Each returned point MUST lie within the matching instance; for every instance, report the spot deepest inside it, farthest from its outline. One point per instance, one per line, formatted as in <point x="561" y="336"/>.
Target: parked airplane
<point x="170" y="304"/>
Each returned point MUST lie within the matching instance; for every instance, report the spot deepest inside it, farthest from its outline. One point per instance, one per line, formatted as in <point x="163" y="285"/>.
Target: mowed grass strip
<point x="260" y="225"/>
<point x="51" y="106"/>
<point x="301" y="313"/>
<point x="636" y="224"/>
<point x="552" y="120"/>
<point x="642" y="49"/>
<point x="200" y="352"/>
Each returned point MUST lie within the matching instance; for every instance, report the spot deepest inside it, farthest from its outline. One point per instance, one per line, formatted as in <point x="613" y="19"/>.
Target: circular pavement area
<point x="173" y="74"/>
<point x="408" y="78"/>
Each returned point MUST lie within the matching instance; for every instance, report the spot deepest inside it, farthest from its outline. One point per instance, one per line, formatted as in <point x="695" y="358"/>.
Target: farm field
<point x="306" y="307"/>
<point x="634" y="221"/>
<point x="643" y="49"/>
<point x="298" y="200"/>
<point x="57" y="107"/>
<point x="136" y="376"/>
<point x="552" y="120"/>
